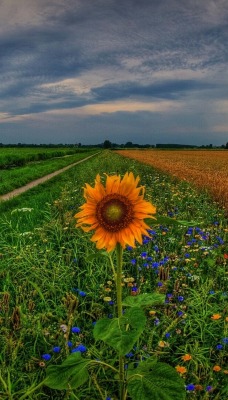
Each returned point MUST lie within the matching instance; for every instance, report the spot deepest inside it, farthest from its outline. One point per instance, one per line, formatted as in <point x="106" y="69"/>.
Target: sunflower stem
<point x="119" y="256"/>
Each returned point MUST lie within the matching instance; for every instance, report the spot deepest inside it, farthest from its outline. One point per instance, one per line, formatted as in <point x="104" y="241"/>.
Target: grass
<point x="52" y="276"/>
<point x="14" y="178"/>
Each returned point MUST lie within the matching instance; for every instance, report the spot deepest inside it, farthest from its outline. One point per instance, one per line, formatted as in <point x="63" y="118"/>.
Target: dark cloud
<point x="115" y="50"/>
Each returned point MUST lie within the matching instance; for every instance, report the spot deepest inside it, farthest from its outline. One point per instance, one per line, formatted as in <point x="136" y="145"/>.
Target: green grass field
<point x="53" y="280"/>
<point x="13" y="178"/>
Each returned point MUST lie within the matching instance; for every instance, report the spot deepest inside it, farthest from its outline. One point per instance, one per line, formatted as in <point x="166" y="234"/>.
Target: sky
<point x="145" y="71"/>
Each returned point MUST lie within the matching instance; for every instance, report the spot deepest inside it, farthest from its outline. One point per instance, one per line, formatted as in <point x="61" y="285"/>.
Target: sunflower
<point x="115" y="212"/>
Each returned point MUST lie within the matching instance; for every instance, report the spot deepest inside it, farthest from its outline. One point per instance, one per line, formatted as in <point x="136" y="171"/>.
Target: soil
<point x="36" y="182"/>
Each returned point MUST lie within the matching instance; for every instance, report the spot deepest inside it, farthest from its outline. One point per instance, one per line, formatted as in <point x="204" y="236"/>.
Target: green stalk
<point x="119" y="257"/>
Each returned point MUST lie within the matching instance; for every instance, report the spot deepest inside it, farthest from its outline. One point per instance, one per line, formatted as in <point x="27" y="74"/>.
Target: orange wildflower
<point x="226" y="319"/>
<point x="116" y="212"/>
<point x="217" y="368"/>
<point x="186" y="357"/>
<point x="180" y="369"/>
<point x="216" y="316"/>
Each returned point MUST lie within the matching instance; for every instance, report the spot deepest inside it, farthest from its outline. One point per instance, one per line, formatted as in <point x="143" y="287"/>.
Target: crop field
<point x="63" y="332"/>
<point x="207" y="169"/>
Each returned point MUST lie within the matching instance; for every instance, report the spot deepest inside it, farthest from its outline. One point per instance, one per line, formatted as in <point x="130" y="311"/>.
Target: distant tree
<point x="107" y="144"/>
<point x="226" y="147"/>
<point x="128" y="144"/>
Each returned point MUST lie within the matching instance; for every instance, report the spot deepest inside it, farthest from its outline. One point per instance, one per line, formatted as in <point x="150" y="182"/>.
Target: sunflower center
<point x="114" y="212"/>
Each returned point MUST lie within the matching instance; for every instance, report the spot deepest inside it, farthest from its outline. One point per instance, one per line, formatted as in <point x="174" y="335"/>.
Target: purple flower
<point x="209" y="388"/>
<point x="160" y="284"/>
<point x="75" y="329"/>
<point x="46" y="357"/>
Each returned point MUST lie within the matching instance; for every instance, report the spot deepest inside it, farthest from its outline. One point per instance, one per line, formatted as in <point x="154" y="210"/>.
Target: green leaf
<point x="145" y="299"/>
<point x="157" y="381"/>
<point x="72" y="373"/>
<point x="121" y="333"/>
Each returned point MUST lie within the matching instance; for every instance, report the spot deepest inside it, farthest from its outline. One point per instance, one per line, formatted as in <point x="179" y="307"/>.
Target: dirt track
<point x="36" y="182"/>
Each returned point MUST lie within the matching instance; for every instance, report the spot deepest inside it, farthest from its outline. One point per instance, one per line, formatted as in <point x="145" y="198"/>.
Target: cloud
<point x="89" y="58"/>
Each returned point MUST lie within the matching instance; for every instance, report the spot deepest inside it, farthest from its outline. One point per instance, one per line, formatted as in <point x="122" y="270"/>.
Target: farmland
<point x="18" y="168"/>
<point x="206" y="169"/>
<point x="56" y="286"/>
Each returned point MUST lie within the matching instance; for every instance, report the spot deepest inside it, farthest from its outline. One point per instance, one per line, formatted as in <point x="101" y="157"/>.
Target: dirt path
<point x="36" y="182"/>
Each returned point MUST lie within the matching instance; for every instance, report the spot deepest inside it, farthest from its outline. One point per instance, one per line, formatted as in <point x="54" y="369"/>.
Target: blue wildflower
<point x="80" y="348"/>
<point x="56" y="349"/>
<point x="81" y="293"/>
<point x="75" y="329"/>
<point x="190" y="387"/>
<point x="219" y="347"/>
<point x="46" y="357"/>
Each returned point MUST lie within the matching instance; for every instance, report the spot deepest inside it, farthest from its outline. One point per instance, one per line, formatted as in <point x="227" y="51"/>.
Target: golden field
<point x="207" y="169"/>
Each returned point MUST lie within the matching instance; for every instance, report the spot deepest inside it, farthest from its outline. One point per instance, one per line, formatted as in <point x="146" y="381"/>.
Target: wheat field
<point x="207" y="169"/>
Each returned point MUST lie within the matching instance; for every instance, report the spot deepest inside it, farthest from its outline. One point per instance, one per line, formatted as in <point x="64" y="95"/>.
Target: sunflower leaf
<point x="155" y="380"/>
<point x="144" y="299"/>
<point x="72" y="373"/>
<point x="121" y="333"/>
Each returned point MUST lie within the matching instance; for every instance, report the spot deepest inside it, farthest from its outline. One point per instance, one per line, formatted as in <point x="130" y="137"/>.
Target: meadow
<point x="207" y="169"/>
<point x="56" y="286"/>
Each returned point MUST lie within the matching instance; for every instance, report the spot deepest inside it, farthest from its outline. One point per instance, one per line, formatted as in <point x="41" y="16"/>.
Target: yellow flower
<point x="180" y="369"/>
<point x="116" y="212"/>
<point x="107" y="298"/>
<point x="152" y="312"/>
<point x="186" y="357"/>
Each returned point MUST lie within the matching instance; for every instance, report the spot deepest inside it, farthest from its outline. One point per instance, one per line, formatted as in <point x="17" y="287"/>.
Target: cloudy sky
<point x="146" y="71"/>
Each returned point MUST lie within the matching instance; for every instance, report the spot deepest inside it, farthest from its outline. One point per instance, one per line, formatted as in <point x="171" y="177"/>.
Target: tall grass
<point x="53" y="279"/>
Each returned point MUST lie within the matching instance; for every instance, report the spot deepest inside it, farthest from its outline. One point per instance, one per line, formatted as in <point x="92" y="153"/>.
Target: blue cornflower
<point x="187" y="255"/>
<point x="156" y="322"/>
<point x="129" y="248"/>
<point x="225" y="340"/>
<point x="75" y="329"/>
<point x="129" y="355"/>
<point x="133" y="261"/>
<point x="167" y="335"/>
<point x="190" y="387"/>
<point x="209" y="388"/>
<point x="180" y="298"/>
<point x="69" y="344"/>
<point x="160" y="284"/>
<point x="81" y="293"/>
<point x="155" y="264"/>
<point x="80" y="348"/>
<point x="211" y="292"/>
<point x="180" y="313"/>
<point x="219" y="347"/>
<point x="144" y="254"/>
<point x="56" y="349"/>
<point x="46" y="357"/>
